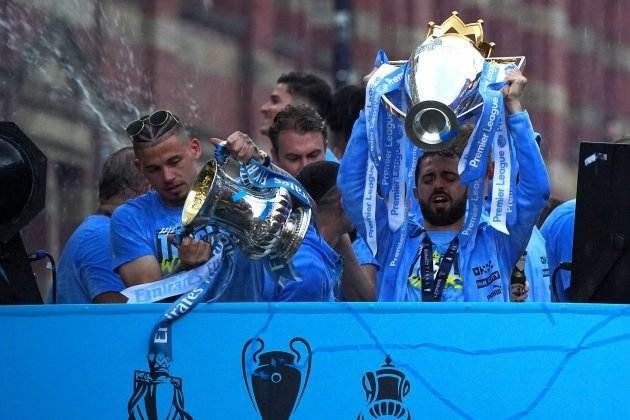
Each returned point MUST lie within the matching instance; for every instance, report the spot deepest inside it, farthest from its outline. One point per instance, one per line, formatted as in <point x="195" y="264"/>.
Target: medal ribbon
<point x="433" y="286"/>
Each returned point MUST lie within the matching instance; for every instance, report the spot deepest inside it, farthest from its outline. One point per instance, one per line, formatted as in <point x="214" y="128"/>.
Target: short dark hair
<point x="315" y="90"/>
<point x="347" y="103"/>
<point x="301" y="119"/>
<point x="319" y="178"/>
<point x="119" y="175"/>
<point x="455" y="151"/>
<point x="450" y="153"/>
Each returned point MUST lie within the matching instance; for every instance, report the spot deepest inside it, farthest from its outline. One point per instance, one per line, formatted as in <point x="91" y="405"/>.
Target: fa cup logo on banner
<point x="384" y="391"/>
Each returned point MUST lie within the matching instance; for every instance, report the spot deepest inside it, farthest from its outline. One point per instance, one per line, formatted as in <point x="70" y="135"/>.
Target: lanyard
<point x="433" y="286"/>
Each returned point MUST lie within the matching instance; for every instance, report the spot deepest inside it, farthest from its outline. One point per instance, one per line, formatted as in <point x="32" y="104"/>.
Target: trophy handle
<point x="246" y="366"/>
<point x="298" y="357"/>
<point x="369" y="386"/>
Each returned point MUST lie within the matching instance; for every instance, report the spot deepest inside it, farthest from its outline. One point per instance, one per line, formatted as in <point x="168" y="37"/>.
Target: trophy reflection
<point x="276" y="380"/>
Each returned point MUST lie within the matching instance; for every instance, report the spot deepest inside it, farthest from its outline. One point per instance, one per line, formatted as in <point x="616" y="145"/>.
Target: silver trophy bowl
<point x="442" y="83"/>
<point x="264" y="221"/>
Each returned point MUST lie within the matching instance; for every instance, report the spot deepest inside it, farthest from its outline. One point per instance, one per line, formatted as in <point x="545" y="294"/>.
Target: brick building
<point x="74" y="71"/>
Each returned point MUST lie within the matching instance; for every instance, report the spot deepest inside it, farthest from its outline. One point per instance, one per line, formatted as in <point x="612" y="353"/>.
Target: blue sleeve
<point x="558" y="231"/>
<point x="537" y="269"/>
<point x="531" y="192"/>
<point x="351" y="181"/>
<point x="96" y="265"/>
<point x="363" y="253"/>
<point x="128" y="241"/>
<point x="313" y="275"/>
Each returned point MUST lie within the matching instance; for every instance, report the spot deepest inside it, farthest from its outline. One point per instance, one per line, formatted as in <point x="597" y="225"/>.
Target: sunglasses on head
<point x="161" y="120"/>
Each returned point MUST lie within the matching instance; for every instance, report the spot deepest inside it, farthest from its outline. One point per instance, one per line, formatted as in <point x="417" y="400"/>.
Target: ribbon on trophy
<point x="386" y="157"/>
<point x="490" y="133"/>
<point x="145" y="403"/>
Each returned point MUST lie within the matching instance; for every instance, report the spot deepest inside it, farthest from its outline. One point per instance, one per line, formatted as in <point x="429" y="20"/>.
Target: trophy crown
<point x="456" y="26"/>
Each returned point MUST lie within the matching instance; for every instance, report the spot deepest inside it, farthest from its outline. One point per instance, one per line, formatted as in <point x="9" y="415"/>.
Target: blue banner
<point x="334" y="361"/>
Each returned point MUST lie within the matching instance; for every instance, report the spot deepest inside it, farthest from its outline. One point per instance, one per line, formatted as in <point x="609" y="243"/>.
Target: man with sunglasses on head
<point x="143" y="252"/>
<point x="166" y="155"/>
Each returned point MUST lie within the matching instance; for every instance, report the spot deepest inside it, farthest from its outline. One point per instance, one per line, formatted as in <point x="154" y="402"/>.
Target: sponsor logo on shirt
<point x="483" y="269"/>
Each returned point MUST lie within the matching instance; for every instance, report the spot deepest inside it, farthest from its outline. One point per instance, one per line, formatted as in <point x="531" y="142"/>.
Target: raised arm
<point x="532" y="189"/>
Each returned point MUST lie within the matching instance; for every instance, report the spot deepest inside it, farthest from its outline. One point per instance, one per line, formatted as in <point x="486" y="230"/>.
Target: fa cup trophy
<point x="267" y="222"/>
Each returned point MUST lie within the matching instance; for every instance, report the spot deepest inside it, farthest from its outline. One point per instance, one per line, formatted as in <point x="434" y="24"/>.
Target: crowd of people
<point x="320" y="138"/>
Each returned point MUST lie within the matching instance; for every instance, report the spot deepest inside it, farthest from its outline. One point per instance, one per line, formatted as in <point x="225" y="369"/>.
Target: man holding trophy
<point x="444" y="112"/>
<point x="163" y="241"/>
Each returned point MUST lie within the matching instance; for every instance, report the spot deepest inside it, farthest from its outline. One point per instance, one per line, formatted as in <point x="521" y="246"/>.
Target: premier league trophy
<point x="443" y="80"/>
<point x="447" y="95"/>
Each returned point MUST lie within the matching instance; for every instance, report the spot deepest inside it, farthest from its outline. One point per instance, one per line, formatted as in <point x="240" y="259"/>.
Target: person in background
<point x="347" y="103"/>
<point x="558" y="231"/>
<point x="295" y="89"/>
<point x="319" y="179"/>
<point x="85" y="268"/>
<point x="298" y="137"/>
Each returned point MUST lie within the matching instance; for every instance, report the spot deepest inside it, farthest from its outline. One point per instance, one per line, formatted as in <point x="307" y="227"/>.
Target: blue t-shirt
<point x="313" y="275"/>
<point x="140" y="227"/>
<point x="558" y="231"/>
<point x="454" y="287"/>
<point x="85" y="267"/>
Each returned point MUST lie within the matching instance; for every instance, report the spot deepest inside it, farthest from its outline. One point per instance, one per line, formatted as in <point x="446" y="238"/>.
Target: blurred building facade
<point x="73" y="72"/>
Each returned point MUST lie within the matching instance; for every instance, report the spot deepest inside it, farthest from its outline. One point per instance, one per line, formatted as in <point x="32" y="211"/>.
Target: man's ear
<point x="415" y="194"/>
<point x="195" y="147"/>
<point x="274" y="154"/>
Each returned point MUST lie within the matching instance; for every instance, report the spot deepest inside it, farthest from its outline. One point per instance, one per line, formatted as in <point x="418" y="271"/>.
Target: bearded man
<point x="434" y="262"/>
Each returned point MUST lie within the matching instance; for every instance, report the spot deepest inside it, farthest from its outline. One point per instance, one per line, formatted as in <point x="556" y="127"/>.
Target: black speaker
<point x="601" y="246"/>
<point x="22" y="196"/>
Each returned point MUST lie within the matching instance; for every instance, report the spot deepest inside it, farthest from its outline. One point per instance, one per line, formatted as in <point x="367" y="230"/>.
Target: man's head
<point x="296" y="89"/>
<point x="298" y="137"/>
<point x="165" y="155"/>
<point x="347" y="103"/>
<point x="320" y="181"/>
<point x="120" y="180"/>
<point x="439" y="191"/>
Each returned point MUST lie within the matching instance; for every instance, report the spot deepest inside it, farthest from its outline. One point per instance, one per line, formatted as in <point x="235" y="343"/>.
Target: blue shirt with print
<point x="140" y="227"/>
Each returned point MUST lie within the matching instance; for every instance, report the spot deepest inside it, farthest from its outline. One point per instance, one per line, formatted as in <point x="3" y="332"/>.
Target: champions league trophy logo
<point x="276" y="380"/>
<point x="384" y="391"/>
<point x="442" y="82"/>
